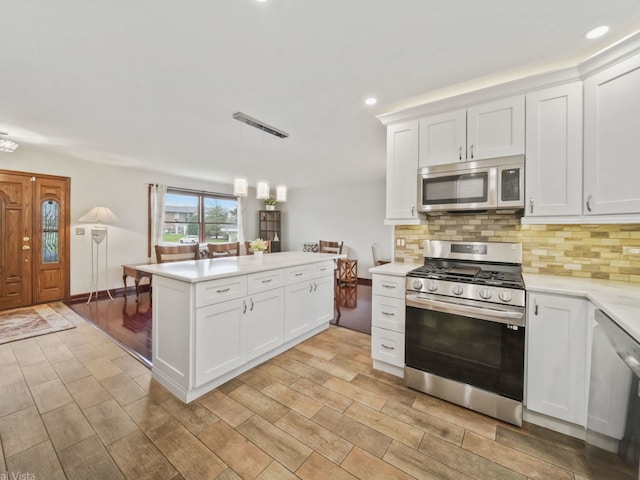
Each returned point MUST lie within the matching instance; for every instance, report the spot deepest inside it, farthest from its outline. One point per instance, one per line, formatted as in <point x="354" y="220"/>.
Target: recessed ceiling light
<point x="597" y="32"/>
<point x="371" y="101"/>
<point x="261" y="1"/>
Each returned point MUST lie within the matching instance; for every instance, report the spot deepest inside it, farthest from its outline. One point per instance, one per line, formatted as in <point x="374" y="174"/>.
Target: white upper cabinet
<point x="402" y="173"/>
<point x="611" y="139"/>
<point x="443" y="138"/>
<point x="493" y="129"/>
<point x="554" y="151"/>
<point x="496" y="129"/>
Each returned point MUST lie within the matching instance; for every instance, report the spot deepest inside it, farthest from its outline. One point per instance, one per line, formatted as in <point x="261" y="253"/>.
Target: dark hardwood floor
<point x="129" y="322"/>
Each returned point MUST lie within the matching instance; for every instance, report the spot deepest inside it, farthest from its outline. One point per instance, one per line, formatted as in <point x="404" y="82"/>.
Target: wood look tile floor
<point x="75" y="405"/>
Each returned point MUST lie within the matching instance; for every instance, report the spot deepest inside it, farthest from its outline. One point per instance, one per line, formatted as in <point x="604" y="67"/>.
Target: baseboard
<point x="364" y="281"/>
<point x="103" y="295"/>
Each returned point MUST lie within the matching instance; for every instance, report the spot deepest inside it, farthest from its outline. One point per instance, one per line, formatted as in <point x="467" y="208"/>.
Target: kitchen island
<point x="216" y="318"/>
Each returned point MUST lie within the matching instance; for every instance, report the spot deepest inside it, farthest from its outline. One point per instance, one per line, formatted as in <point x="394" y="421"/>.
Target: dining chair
<point x="325" y="246"/>
<point x="217" y="250"/>
<point x="376" y="256"/>
<point x="330" y="247"/>
<point x="247" y="247"/>
<point x="177" y="253"/>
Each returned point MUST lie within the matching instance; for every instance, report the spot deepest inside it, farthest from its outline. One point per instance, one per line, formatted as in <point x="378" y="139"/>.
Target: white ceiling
<point x="154" y="83"/>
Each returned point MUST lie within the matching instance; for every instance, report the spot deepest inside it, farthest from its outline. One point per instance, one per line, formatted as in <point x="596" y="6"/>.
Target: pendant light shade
<point x="240" y="186"/>
<point x="281" y="193"/>
<point x="262" y="190"/>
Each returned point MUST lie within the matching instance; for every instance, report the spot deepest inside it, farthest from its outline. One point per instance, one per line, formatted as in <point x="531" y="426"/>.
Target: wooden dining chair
<point x="176" y="253"/>
<point x="330" y="247"/>
<point x="325" y="246"/>
<point x="217" y="250"/>
<point x="247" y="247"/>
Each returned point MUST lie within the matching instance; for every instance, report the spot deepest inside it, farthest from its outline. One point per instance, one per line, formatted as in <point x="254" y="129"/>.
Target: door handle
<point x="531" y="205"/>
<point x="471" y="148"/>
<point x="251" y="300"/>
<point x="589" y="202"/>
<point x="26" y="247"/>
<point x="245" y="306"/>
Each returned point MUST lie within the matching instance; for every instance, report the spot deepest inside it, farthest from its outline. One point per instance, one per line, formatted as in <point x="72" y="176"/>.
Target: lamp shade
<point x="99" y="215"/>
<point x="240" y="186"/>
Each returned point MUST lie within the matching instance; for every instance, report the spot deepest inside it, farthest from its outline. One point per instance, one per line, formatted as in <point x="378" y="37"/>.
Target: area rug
<point x="22" y="323"/>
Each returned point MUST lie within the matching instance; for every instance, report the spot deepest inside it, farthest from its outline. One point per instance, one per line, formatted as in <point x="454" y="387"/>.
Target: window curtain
<point x="156" y="200"/>
<point x="241" y="225"/>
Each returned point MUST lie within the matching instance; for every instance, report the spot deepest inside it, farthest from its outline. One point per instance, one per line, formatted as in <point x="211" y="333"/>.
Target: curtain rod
<point x="190" y="190"/>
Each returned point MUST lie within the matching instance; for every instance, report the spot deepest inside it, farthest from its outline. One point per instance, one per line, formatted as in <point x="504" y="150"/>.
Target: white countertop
<point x="619" y="300"/>
<point x="194" y="271"/>
<point x="396" y="269"/>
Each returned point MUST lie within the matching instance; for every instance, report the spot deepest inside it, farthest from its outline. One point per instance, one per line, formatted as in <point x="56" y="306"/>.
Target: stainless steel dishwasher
<point x="613" y="416"/>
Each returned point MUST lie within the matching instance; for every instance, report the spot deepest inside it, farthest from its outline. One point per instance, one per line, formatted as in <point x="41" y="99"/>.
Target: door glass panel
<point x="50" y="231"/>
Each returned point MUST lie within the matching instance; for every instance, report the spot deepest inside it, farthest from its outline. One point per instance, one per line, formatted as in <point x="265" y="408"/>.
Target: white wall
<point x="121" y="188"/>
<point x="353" y="213"/>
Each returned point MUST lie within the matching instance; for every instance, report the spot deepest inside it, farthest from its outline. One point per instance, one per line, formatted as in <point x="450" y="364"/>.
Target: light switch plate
<point x="79" y="230"/>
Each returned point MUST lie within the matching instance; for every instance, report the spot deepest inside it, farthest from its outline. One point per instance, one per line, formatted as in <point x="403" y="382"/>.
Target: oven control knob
<point x="457" y="289"/>
<point x="432" y="286"/>
<point x="506" y="296"/>
<point x="486" y="293"/>
<point x="417" y="285"/>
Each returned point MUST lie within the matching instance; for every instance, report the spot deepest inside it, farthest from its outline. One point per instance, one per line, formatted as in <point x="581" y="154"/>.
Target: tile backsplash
<point x="592" y="251"/>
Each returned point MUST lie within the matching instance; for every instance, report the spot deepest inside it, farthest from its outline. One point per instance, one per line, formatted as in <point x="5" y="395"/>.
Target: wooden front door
<point x="34" y="239"/>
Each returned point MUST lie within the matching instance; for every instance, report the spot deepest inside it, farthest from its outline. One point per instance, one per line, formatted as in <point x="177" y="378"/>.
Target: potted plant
<point x="258" y="246"/>
<point x="270" y="203"/>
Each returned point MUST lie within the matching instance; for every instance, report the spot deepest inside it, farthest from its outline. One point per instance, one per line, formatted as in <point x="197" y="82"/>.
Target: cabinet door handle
<point x="386" y="285"/>
<point x="387" y="347"/>
<point x="535" y="311"/>
<point x="388" y="314"/>
<point x="531" y="205"/>
<point x="471" y="151"/>
<point x="251" y="300"/>
<point x="315" y="286"/>
<point x="310" y="287"/>
<point x="460" y="153"/>
<point x="298" y="274"/>
<point x="245" y="306"/>
<point x="323" y="269"/>
<point x="222" y="290"/>
<point x="268" y="280"/>
<point x="413" y="209"/>
<point x="589" y="202"/>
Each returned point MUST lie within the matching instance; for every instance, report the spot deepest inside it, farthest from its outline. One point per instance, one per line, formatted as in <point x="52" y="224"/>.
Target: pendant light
<point x="262" y="190"/>
<point x="281" y="193"/>
<point x="240" y="186"/>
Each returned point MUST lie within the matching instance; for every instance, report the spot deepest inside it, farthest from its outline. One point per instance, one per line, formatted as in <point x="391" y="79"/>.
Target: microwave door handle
<point x="484" y="313"/>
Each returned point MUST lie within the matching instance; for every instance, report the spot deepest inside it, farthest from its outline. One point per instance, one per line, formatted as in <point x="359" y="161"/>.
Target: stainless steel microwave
<point x="490" y="184"/>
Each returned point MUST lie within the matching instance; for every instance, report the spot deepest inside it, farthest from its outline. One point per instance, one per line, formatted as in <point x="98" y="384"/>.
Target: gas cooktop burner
<point x="469" y="275"/>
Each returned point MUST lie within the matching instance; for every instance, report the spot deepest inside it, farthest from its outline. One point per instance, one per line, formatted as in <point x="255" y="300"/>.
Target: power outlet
<point x="631" y="250"/>
<point x="400" y="242"/>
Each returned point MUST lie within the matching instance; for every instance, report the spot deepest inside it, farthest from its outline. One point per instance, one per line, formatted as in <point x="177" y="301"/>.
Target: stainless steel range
<point x="465" y="326"/>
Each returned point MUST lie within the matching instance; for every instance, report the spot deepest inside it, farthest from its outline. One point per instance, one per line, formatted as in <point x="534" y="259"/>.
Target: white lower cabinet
<point x="387" y="323"/>
<point x="219" y="342"/>
<point x="308" y="303"/>
<point x="263" y="322"/>
<point x="557" y="356"/>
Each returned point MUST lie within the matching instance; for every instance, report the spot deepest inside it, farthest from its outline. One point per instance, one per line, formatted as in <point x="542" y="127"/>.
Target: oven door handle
<point x="484" y="313"/>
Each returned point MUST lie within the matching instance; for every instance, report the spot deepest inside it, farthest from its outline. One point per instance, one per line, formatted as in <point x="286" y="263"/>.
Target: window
<point x="199" y="217"/>
<point x="50" y="231"/>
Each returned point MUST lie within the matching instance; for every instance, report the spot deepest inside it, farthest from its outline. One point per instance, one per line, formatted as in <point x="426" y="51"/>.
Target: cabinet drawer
<point x="388" y="285"/>
<point x="263" y="281"/>
<point x="388" y="312"/>
<point x="323" y="268"/>
<point x="298" y="274"/>
<point x="387" y="346"/>
<point x="215" y="291"/>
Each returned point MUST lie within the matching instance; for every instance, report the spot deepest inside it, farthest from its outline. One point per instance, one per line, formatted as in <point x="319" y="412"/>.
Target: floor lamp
<point x="99" y="236"/>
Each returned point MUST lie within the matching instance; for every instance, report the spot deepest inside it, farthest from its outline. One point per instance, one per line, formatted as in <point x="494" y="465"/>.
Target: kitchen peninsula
<point x="216" y="318"/>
